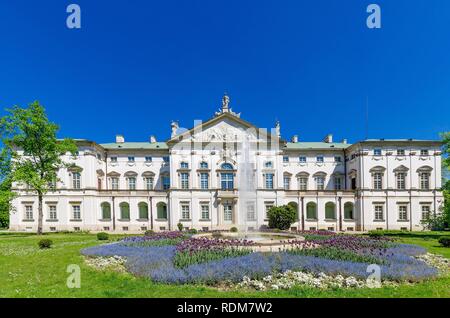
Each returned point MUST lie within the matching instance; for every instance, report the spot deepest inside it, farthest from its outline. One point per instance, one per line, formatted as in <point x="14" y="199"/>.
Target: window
<point x="166" y="159"/>
<point x="131" y="183"/>
<point x="400" y="152"/>
<point x="161" y="211"/>
<point x="166" y="182"/>
<point x="302" y="159"/>
<point x="143" y="210"/>
<point x="424" y="180"/>
<point x="184" y="165"/>
<point x="205" y="211"/>
<point x="76" y="209"/>
<point x="148" y="183"/>
<point x="337" y="159"/>
<point x="130" y="159"/>
<point x="353" y="183"/>
<point x="330" y="213"/>
<point x="402" y="213"/>
<point x="378" y="213"/>
<point x="28" y="212"/>
<point x="124" y="211"/>
<point x="319" y="158"/>
<point x="251" y="216"/>
<point x="115" y="183"/>
<point x="377" y="152"/>
<point x="268" y="206"/>
<point x="269" y="180"/>
<point x="286" y="182"/>
<point x="424" y="152"/>
<point x="348" y="211"/>
<point x="99" y="156"/>
<point x="425" y="211"/>
<point x="113" y="159"/>
<point x="106" y="211"/>
<point x="268" y="164"/>
<point x="227" y="180"/>
<point x="185" y="214"/>
<point x="401" y="181"/>
<point x="337" y="183"/>
<point x="228" y="212"/>
<point x="76" y="180"/>
<point x="320" y="183"/>
<point x="303" y="183"/>
<point x="285" y="158"/>
<point x="203" y="165"/>
<point x="204" y="180"/>
<point x="52" y="212"/>
<point x="184" y="180"/>
<point x="311" y="211"/>
<point x="377" y="181"/>
<point x="148" y="159"/>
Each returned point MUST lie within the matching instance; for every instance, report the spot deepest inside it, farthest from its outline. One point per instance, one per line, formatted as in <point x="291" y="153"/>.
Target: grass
<point x="27" y="271"/>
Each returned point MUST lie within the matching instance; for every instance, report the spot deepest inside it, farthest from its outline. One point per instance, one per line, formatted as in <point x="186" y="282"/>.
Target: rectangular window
<point x="76" y="209"/>
<point x="185" y="213"/>
<point x="227" y="182"/>
<point x="113" y="159"/>
<point x="52" y="212"/>
<point x="184" y="180"/>
<point x="337" y="183"/>
<point x="269" y="180"/>
<point x="166" y="159"/>
<point x="228" y="212"/>
<point x="148" y="183"/>
<point x="401" y="181"/>
<point x="285" y="158"/>
<point x="131" y="183"/>
<point x="320" y="183"/>
<point x="424" y="152"/>
<point x="268" y="206"/>
<point x="379" y="215"/>
<point x="425" y="209"/>
<point x="337" y="159"/>
<point x="302" y="159"/>
<point x="205" y="211"/>
<point x="76" y="180"/>
<point x="166" y="182"/>
<point x="148" y="159"/>
<point x="378" y="181"/>
<point x="251" y="216"/>
<point x="286" y="182"/>
<point x="204" y="180"/>
<point x="400" y="152"/>
<point x="115" y="183"/>
<point x="402" y="213"/>
<point x="28" y="212"/>
<point x="377" y="152"/>
<point x="319" y="158"/>
<point x="130" y="159"/>
<point x="424" y="181"/>
<point x="303" y="184"/>
<point x="184" y="165"/>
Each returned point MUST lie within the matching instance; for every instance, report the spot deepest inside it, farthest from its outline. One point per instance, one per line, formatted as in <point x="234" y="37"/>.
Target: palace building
<point x="226" y="172"/>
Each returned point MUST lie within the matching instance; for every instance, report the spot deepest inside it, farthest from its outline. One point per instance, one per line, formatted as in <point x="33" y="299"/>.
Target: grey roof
<point x="316" y="145"/>
<point x="135" y="145"/>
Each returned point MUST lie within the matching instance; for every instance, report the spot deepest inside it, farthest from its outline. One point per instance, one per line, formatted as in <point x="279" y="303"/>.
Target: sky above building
<point x="313" y="65"/>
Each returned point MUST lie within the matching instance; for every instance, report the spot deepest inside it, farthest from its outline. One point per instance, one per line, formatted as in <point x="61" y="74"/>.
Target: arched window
<point x="161" y="211"/>
<point x="311" y="211"/>
<point x="348" y="211"/>
<point x="143" y="210"/>
<point x="227" y="166"/>
<point x="330" y="211"/>
<point x="227" y="178"/>
<point x="124" y="211"/>
<point x="106" y="211"/>
<point x="203" y="165"/>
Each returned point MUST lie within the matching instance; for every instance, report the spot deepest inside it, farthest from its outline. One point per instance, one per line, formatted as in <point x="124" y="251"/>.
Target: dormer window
<point x="148" y="159"/>
<point x="377" y="152"/>
<point x="319" y="159"/>
<point x="130" y="159"/>
<point x="166" y="159"/>
<point x="268" y="164"/>
<point x="184" y="165"/>
<point x="113" y="159"/>
<point x="400" y="152"/>
<point x="302" y="159"/>
<point x="424" y="152"/>
<point x="337" y="159"/>
<point x="285" y="159"/>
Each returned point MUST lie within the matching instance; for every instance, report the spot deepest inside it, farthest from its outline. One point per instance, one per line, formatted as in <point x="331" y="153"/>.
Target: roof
<point x="315" y="145"/>
<point x="135" y="145"/>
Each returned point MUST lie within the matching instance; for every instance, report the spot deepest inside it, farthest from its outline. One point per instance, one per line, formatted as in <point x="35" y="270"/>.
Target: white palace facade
<point x="196" y="178"/>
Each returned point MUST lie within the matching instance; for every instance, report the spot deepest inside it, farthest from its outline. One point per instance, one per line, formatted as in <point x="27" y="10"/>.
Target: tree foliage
<point x="31" y="150"/>
<point x="281" y="217"/>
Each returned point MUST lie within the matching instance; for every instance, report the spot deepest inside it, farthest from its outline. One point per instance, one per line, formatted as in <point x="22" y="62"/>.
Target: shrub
<point x="375" y="234"/>
<point x="102" y="236"/>
<point x="149" y="233"/>
<point x="281" y="217"/>
<point x="233" y="229"/>
<point x="444" y="241"/>
<point x="192" y="231"/>
<point x="45" y="243"/>
<point x="180" y="226"/>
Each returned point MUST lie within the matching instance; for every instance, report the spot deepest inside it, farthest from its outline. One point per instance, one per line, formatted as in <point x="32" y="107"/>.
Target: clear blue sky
<point x="136" y="65"/>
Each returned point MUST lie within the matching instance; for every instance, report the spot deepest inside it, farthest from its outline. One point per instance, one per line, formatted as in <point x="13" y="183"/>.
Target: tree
<point x="281" y="217"/>
<point x="446" y="182"/>
<point x="32" y="151"/>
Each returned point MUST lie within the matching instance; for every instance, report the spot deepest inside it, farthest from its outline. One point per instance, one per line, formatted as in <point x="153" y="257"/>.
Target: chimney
<point x="328" y="139"/>
<point x="120" y="139"/>
<point x="294" y="138"/>
<point x="152" y="139"/>
<point x="344" y="141"/>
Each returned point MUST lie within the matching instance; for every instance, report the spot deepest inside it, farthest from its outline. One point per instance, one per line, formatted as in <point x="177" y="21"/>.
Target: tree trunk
<point x="40" y="214"/>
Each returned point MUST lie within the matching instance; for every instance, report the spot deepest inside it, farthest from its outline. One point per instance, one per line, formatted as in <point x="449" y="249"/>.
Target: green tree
<point x="446" y="182"/>
<point x="281" y="217"/>
<point x="32" y="151"/>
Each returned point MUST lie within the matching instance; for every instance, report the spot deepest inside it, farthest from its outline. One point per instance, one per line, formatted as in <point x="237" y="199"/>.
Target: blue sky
<point x="136" y="65"/>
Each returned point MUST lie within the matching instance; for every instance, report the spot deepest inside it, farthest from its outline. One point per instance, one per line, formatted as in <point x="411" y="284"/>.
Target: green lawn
<point x="27" y="271"/>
